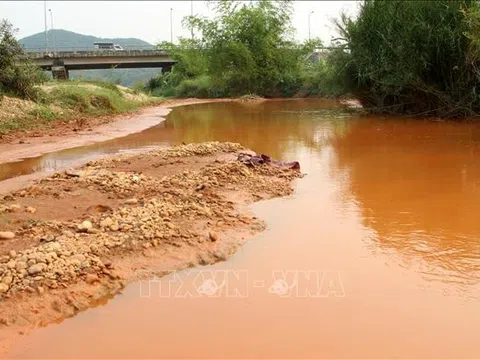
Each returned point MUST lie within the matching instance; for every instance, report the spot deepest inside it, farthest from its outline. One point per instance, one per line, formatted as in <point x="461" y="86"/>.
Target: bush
<point x="414" y="57"/>
<point x="18" y="76"/>
<point x="199" y="87"/>
<point x="246" y="48"/>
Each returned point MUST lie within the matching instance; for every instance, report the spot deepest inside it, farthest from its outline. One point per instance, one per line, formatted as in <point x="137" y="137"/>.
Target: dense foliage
<point x="414" y="57"/>
<point x="246" y="49"/>
<point x="17" y="76"/>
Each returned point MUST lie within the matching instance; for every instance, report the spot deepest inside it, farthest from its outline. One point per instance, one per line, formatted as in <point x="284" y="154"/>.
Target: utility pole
<point x="53" y="31"/>
<point x="45" y="18"/>
<point x="191" y="13"/>
<point x="311" y="12"/>
<point x="171" y="25"/>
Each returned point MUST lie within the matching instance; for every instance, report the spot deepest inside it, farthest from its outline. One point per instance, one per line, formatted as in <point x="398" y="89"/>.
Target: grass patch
<point x="68" y="101"/>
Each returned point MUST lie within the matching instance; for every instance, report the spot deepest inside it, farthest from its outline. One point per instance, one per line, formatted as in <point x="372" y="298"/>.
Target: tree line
<point x="396" y="57"/>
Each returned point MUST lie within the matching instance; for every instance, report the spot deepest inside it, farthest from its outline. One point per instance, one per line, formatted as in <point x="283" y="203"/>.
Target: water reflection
<point x="276" y="128"/>
<point x="415" y="183"/>
<point x="268" y="127"/>
<point x="377" y="191"/>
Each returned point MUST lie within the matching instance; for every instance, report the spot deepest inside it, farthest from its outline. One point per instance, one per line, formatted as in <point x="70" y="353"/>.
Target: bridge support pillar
<point x="59" y="71"/>
<point x="166" y="68"/>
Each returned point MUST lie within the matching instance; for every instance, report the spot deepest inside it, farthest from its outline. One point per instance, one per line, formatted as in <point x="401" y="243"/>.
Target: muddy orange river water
<point x="376" y="255"/>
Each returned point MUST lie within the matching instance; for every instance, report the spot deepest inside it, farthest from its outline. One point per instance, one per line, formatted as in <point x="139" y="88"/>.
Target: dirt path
<point x="73" y="240"/>
<point x="66" y="135"/>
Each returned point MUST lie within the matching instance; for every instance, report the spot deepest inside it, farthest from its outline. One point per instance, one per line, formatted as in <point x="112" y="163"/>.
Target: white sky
<point x="150" y="20"/>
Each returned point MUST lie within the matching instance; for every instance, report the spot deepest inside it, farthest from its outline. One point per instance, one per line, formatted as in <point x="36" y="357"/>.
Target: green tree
<point x="414" y="57"/>
<point x="247" y="48"/>
<point x="18" y="76"/>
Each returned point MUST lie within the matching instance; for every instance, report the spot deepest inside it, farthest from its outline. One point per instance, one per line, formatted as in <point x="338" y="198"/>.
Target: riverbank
<point x="67" y="106"/>
<point x="75" y="239"/>
<point x="97" y="129"/>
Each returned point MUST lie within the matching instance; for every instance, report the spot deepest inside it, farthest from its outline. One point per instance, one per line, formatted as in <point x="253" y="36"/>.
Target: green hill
<point x="68" y="40"/>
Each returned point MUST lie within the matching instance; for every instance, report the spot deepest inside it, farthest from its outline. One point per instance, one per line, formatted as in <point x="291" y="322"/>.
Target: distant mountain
<point x="69" y="40"/>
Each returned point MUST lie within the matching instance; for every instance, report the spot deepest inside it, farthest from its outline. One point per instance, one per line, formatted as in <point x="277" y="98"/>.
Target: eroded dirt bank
<point x="73" y="240"/>
<point x="69" y="134"/>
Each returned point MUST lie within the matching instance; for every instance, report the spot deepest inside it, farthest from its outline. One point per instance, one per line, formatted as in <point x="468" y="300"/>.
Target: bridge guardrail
<point x="86" y="48"/>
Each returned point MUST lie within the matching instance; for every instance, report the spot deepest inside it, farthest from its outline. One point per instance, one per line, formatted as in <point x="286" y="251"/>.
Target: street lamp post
<point x="45" y="18"/>
<point x="171" y="25"/>
<point x="309" y="14"/>
<point x="191" y="13"/>
<point x="53" y="31"/>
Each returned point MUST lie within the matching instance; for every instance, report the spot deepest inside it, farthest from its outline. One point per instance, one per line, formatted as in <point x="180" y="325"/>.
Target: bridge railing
<point x="51" y="49"/>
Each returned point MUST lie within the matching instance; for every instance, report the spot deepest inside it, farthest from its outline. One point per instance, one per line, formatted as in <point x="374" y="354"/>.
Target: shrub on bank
<point x="18" y="76"/>
<point x="414" y="57"/>
<point x="246" y="48"/>
<point x="67" y="101"/>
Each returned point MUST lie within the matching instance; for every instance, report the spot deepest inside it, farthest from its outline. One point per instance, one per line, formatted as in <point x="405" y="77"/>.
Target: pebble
<point x="106" y="222"/>
<point x="30" y="209"/>
<point x="7" y="280"/>
<point x="35" y="269"/>
<point x="14" y="208"/>
<point x="3" y="288"/>
<point x="84" y="226"/>
<point x="91" y="279"/>
<point x="213" y="236"/>
<point x="132" y="201"/>
<point x="6" y="235"/>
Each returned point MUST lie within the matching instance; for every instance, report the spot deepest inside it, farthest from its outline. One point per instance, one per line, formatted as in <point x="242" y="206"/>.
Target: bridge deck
<point x="103" y="59"/>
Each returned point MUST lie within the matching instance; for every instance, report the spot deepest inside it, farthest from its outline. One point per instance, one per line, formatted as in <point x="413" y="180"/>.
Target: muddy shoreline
<point x="24" y="145"/>
<point x="83" y="234"/>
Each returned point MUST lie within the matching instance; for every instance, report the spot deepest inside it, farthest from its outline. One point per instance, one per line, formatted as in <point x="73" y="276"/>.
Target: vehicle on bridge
<point x="107" y="46"/>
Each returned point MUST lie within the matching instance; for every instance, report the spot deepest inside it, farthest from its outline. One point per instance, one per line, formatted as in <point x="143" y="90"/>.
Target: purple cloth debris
<point x="255" y="160"/>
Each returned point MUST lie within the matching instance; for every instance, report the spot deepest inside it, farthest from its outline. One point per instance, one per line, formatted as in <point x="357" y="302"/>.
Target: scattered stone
<point x="6" y="235"/>
<point x="3" y="288"/>
<point x="91" y="279"/>
<point x="30" y="209"/>
<point x="35" y="269"/>
<point x="212" y="235"/>
<point x="84" y="226"/>
<point x="47" y="238"/>
<point x="7" y="280"/>
<point x="14" y="208"/>
<point x="106" y="222"/>
<point x="73" y="173"/>
<point x="70" y="251"/>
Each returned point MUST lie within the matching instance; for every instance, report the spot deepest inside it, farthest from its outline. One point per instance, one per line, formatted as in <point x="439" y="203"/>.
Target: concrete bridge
<point x="63" y="61"/>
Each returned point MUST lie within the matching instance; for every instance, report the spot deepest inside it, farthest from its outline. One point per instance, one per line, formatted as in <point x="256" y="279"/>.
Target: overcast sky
<point x="150" y="20"/>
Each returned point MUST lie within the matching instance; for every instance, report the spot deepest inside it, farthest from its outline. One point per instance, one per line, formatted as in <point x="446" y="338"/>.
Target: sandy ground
<point x="75" y="239"/>
<point x="68" y="135"/>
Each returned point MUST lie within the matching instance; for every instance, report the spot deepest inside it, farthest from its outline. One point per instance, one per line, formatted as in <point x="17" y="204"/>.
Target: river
<point x="377" y="254"/>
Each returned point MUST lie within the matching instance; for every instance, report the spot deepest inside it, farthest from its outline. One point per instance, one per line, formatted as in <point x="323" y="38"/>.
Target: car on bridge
<point x="107" y="46"/>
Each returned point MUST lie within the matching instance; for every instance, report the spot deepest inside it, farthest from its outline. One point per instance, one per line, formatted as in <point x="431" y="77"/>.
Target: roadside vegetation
<point x="247" y="48"/>
<point x="28" y="101"/>
<point x="397" y="57"/>
<point x="414" y="57"/>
